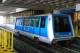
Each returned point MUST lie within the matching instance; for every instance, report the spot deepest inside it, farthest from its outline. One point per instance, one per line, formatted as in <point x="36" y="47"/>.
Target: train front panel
<point x="63" y="28"/>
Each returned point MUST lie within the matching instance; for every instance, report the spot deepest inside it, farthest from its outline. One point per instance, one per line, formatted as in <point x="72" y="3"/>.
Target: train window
<point x="43" y="19"/>
<point x="35" y="22"/>
<point x="27" y="21"/>
<point x="19" y="22"/>
<point x="61" y="24"/>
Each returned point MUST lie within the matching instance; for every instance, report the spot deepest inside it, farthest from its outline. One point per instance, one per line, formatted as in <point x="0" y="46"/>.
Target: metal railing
<point x="6" y="39"/>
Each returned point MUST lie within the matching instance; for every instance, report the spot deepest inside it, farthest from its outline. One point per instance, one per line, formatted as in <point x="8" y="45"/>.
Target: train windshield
<point x="61" y="24"/>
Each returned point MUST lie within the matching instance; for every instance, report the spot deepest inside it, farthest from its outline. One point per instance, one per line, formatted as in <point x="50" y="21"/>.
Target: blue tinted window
<point x="32" y="21"/>
<point x="61" y="24"/>
<point x="27" y="22"/>
<point x="35" y="22"/>
<point x="43" y="19"/>
<point x="19" y="22"/>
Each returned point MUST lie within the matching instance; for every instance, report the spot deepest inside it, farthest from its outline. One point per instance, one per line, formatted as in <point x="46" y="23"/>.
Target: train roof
<point x="43" y="15"/>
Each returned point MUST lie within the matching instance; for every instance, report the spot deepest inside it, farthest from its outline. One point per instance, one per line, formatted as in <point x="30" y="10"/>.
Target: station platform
<point x="6" y="51"/>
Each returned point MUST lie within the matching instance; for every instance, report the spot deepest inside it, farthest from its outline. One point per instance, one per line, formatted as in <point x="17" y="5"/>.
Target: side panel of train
<point x="46" y="28"/>
<point x="35" y="26"/>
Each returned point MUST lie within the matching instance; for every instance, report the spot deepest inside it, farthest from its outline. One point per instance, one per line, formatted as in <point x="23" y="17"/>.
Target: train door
<point x="19" y="24"/>
<point x="36" y="23"/>
<point x="31" y="26"/>
<point x="43" y="26"/>
<point x="27" y="22"/>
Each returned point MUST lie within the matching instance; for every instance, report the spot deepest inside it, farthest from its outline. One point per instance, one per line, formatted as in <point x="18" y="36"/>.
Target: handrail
<point x="6" y="39"/>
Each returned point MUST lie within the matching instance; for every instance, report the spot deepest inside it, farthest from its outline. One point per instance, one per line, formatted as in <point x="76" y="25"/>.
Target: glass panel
<point x="27" y="22"/>
<point x="19" y="22"/>
<point x="61" y="24"/>
<point x="43" y="19"/>
<point x="35" y="22"/>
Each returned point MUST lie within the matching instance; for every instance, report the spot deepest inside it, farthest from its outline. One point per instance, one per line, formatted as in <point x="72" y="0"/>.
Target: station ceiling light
<point x="11" y="12"/>
<point x="3" y="1"/>
<point x="2" y="12"/>
<point x="20" y="9"/>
